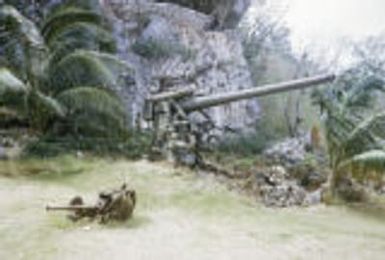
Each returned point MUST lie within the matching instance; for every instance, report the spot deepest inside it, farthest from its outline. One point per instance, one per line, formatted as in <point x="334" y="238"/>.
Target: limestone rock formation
<point x="176" y="43"/>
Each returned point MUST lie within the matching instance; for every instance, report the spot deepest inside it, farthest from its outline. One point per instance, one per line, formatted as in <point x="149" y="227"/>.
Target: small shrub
<point x="132" y="147"/>
<point x="249" y="144"/>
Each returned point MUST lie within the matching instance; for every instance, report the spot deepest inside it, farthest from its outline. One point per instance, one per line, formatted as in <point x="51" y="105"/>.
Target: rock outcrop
<point x="170" y="44"/>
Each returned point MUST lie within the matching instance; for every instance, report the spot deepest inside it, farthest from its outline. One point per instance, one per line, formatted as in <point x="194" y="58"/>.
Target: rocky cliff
<point x="171" y="44"/>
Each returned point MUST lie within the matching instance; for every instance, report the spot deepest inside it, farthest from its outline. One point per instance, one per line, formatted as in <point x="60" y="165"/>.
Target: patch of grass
<point x="49" y="168"/>
<point x="176" y="203"/>
<point x="132" y="147"/>
<point x="252" y="143"/>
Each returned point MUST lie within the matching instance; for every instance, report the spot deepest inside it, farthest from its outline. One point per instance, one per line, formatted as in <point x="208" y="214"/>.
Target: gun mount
<point x="177" y="138"/>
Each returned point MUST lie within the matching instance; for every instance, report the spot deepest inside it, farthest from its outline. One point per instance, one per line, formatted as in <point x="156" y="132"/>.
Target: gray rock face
<point x="170" y="46"/>
<point x="227" y="13"/>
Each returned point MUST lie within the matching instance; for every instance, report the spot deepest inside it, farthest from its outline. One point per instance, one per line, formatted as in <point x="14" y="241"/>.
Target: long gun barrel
<point x="70" y="208"/>
<point x="219" y="99"/>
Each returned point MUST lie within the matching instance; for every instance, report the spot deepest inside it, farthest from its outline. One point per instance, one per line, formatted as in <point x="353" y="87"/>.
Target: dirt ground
<point x="179" y="216"/>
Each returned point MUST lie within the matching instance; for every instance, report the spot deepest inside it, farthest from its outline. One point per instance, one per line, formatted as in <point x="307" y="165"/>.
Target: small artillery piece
<point x="115" y="205"/>
<point x="177" y="138"/>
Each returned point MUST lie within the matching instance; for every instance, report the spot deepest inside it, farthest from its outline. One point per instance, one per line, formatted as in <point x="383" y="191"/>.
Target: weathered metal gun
<point x="167" y="112"/>
<point x="115" y="205"/>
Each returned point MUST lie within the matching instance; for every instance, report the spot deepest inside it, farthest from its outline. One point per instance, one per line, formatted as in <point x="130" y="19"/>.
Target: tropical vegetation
<point x="354" y="133"/>
<point x="60" y="77"/>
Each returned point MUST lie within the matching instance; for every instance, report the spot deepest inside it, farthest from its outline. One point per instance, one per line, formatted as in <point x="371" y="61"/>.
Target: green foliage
<point x="43" y="109"/>
<point x="132" y="147"/>
<point x="12" y="91"/>
<point x="252" y="143"/>
<point x="345" y="109"/>
<point x="246" y="144"/>
<point x="80" y="35"/>
<point x="353" y="133"/>
<point x="81" y="68"/>
<point x="17" y="96"/>
<point x="59" y="19"/>
<point x="10" y="83"/>
<point x="15" y="24"/>
<point x="21" y="42"/>
<point x="92" y="112"/>
<point x="371" y="160"/>
<point x="79" y="75"/>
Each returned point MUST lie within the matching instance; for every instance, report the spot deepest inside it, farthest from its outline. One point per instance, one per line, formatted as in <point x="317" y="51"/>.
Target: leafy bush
<point x="251" y="143"/>
<point x="354" y="134"/>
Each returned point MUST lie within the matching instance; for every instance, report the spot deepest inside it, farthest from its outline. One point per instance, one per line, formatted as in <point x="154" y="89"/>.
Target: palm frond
<point x="85" y="68"/>
<point x="21" y="42"/>
<point x="42" y="109"/>
<point x="83" y="32"/>
<point x="63" y="17"/>
<point x="363" y="135"/>
<point x="369" y="160"/>
<point x="83" y="36"/>
<point x="117" y="66"/>
<point x="10" y="83"/>
<point x="19" y="26"/>
<point x="12" y="90"/>
<point x="92" y="112"/>
<point x="362" y="94"/>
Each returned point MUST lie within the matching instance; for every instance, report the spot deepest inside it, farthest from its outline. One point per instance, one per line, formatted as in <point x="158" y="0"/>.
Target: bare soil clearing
<point x="179" y="216"/>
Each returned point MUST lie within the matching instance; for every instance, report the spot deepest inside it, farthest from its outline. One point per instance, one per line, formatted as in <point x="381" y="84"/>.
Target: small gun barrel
<point x="70" y="208"/>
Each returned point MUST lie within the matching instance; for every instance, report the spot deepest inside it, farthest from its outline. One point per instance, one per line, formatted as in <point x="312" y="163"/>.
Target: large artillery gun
<point x="177" y="138"/>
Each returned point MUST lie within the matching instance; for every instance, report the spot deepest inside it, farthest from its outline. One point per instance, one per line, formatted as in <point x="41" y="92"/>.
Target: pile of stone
<point x="301" y="181"/>
<point x="275" y="187"/>
<point x="277" y="190"/>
